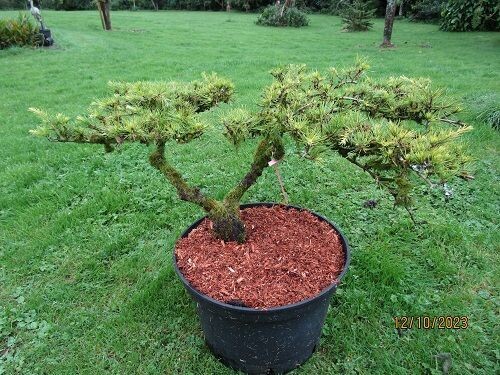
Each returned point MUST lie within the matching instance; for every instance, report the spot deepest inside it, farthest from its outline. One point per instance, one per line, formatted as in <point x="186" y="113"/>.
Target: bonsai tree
<point x="398" y="130"/>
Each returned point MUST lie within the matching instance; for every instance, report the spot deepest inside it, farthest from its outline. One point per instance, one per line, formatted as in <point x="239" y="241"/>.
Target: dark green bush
<point x="425" y="10"/>
<point x="12" y="4"/>
<point x="19" y="32"/>
<point x="324" y="6"/>
<point x="271" y="16"/>
<point x="471" y="15"/>
<point x="357" y="16"/>
<point x="67" y="4"/>
<point x="336" y="7"/>
<point x="74" y="4"/>
<point x="249" y="5"/>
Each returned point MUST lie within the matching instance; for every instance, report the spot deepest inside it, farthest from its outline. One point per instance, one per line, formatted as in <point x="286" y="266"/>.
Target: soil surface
<point x="289" y="255"/>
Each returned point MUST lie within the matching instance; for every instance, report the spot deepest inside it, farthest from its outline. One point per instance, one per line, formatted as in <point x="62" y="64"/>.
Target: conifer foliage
<point x="357" y="16"/>
<point x="399" y="130"/>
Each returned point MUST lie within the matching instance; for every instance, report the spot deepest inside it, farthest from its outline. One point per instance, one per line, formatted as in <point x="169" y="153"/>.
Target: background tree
<point x="396" y="130"/>
<point x="390" y="12"/>
<point x="104" y="7"/>
<point x="357" y="16"/>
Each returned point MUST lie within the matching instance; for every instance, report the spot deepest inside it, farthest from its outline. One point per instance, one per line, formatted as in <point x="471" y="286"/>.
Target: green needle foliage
<point x="395" y="129"/>
<point x="357" y="16"/>
<point x="398" y="130"/>
<point x="146" y="112"/>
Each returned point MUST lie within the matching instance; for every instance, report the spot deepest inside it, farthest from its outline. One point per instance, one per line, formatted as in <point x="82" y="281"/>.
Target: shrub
<point x="332" y="7"/>
<point x="426" y="10"/>
<point x="68" y="4"/>
<point x="11" y="4"/>
<point x="249" y="5"/>
<point x="357" y="16"/>
<point x="275" y="15"/>
<point x="19" y="32"/>
<point x="471" y="15"/>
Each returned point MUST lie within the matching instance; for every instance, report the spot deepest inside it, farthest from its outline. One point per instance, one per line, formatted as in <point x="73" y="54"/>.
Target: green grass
<point x="86" y="280"/>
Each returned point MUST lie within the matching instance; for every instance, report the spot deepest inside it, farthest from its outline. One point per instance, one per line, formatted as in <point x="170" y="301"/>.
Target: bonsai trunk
<point x="390" y="12"/>
<point x="227" y="223"/>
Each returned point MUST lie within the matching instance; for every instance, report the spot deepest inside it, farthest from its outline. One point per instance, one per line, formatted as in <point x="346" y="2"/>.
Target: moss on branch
<point x="267" y="149"/>
<point x="185" y="192"/>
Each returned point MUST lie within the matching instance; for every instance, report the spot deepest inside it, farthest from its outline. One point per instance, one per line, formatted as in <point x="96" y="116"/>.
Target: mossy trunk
<point x="228" y="225"/>
<point x="225" y="215"/>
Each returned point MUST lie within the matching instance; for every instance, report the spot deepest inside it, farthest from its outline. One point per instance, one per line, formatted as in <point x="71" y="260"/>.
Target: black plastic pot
<point x="271" y="341"/>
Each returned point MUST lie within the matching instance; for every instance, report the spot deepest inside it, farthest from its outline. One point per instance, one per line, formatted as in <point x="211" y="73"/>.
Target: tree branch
<point x="266" y="151"/>
<point x="81" y="138"/>
<point x="452" y="122"/>
<point x="350" y="79"/>
<point x="185" y="192"/>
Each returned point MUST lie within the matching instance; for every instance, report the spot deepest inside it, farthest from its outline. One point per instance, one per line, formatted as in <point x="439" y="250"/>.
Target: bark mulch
<point x="289" y="255"/>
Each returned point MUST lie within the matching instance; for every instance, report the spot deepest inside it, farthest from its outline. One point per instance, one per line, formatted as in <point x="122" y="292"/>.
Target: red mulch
<point x="289" y="255"/>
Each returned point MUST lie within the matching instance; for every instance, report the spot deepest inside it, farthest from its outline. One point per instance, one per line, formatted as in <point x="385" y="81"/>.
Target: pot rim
<point x="288" y="307"/>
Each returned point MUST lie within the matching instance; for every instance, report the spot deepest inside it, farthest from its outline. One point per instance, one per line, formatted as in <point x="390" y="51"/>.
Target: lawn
<point x="86" y="278"/>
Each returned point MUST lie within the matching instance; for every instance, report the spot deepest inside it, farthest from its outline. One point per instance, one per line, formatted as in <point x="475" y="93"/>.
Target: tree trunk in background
<point x="107" y="14"/>
<point x="288" y="4"/>
<point x="401" y="8"/>
<point x="390" y="12"/>
<point x="104" y="12"/>
<point x="155" y="5"/>
<point x="99" y="9"/>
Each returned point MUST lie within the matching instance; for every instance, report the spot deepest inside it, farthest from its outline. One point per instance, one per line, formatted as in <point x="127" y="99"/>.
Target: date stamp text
<point x="431" y="322"/>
